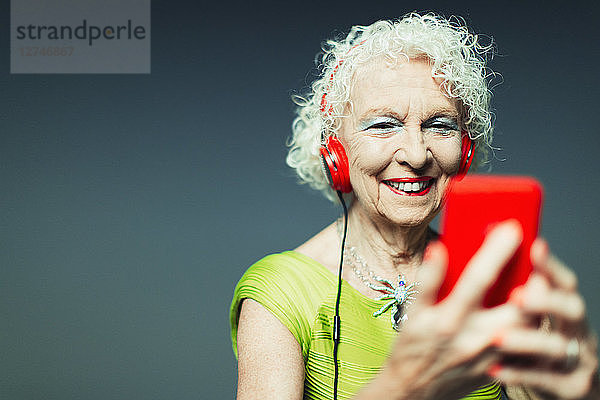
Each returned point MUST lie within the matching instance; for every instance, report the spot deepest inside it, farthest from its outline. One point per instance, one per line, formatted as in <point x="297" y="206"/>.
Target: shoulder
<point x="289" y="285"/>
<point x="276" y="274"/>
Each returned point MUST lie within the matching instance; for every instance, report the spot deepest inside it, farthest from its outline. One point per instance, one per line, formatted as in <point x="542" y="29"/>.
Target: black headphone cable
<point x="336" y="318"/>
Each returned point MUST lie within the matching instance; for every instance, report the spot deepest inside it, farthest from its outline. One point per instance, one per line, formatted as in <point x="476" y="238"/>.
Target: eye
<point x="383" y="125"/>
<point x="445" y="126"/>
<point x="380" y="124"/>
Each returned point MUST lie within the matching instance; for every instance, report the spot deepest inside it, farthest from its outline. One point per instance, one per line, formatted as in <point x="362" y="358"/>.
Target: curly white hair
<point x="457" y="57"/>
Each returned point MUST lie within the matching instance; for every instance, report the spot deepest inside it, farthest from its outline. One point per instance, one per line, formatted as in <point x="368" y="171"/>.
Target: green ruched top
<point x="301" y="293"/>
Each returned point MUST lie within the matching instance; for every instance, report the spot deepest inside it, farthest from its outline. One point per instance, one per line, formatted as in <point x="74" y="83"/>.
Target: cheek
<point x="448" y="156"/>
<point x="367" y="158"/>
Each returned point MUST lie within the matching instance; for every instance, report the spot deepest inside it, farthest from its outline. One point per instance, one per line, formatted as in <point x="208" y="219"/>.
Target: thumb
<point x="431" y="274"/>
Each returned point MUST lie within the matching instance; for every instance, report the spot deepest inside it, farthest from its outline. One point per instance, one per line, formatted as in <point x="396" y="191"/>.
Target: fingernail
<point x="498" y="339"/>
<point x="517" y="296"/>
<point x="494" y="370"/>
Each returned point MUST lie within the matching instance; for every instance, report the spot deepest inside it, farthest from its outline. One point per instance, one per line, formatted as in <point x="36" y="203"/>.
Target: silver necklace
<point x="398" y="295"/>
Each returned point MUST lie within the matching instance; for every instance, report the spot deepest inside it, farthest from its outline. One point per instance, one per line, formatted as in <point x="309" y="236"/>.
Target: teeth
<point x="409" y="186"/>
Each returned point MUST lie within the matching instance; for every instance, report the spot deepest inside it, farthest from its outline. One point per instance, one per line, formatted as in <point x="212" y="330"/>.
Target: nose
<point x="412" y="150"/>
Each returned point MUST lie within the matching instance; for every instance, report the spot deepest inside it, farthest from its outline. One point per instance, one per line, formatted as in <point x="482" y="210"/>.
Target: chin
<point x="411" y="220"/>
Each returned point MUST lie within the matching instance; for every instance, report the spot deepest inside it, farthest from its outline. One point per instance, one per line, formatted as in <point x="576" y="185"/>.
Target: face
<point x="403" y="141"/>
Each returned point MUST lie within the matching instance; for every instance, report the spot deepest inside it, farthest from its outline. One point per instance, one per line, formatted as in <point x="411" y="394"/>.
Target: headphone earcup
<point x="466" y="157"/>
<point x="335" y="165"/>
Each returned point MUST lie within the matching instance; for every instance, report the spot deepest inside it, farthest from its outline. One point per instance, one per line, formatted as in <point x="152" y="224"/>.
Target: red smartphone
<point x="472" y="206"/>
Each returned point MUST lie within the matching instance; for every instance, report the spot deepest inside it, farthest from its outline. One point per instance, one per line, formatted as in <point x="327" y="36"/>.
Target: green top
<point x="301" y="293"/>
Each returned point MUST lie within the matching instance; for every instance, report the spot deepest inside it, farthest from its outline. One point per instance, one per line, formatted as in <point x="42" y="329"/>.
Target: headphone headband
<point x="324" y="108"/>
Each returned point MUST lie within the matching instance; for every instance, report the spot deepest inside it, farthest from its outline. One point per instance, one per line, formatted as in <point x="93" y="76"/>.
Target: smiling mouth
<point x="410" y="187"/>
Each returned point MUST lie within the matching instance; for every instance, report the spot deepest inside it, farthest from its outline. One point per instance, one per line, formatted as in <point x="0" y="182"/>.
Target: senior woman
<point x="406" y="103"/>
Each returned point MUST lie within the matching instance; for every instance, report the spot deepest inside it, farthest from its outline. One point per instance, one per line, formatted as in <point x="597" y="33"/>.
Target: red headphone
<point x="466" y="155"/>
<point x="335" y="162"/>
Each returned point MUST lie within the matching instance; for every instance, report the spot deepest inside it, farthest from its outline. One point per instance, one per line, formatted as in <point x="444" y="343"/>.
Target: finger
<point x="487" y="325"/>
<point x="559" y="274"/>
<point x="471" y="338"/>
<point x="574" y="385"/>
<point x="566" y="306"/>
<point x="485" y="266"/>
<point x="537" y="299"/>
<point x="536" y="285"/>
<point x="551" y="347"/>
<point x="431" y="274"/>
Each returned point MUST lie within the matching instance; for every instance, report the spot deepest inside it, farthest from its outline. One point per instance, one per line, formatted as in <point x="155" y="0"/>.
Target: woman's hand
<point x="562" y="362"/>
<point x="445" y="349"/>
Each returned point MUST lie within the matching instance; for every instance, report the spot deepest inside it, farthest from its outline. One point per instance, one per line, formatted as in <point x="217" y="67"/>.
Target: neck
<point x="389" y="250"/>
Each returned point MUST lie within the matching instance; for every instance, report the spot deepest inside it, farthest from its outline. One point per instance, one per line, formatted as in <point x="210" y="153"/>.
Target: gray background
<point x="131" y="204"/>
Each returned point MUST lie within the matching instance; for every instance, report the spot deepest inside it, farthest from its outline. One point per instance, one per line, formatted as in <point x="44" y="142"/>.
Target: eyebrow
<point x="377" y="112"/>
<point x="388" y="112"/>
